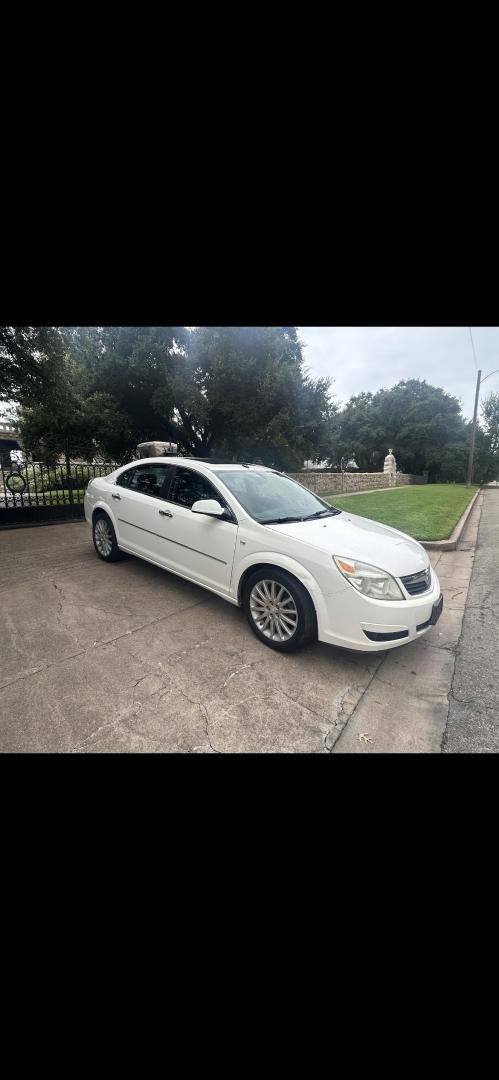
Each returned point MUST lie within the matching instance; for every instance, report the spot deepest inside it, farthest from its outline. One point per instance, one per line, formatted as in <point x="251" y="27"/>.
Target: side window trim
<point x="167" y="483"/>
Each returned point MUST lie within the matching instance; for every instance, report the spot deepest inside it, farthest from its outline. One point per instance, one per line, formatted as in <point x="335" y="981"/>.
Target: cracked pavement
<point x="125" y="657"/>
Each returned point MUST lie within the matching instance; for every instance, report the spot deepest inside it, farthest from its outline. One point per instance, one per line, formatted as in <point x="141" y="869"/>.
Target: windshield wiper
<point x="320" y="513"/>
<point x="280" y="521"/>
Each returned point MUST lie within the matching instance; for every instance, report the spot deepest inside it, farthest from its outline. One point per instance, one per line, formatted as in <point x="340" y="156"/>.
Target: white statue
<point x="390" y="467"/>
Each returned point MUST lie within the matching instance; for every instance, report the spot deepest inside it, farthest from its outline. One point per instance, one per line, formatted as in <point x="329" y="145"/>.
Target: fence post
<point x="68" y="473"/>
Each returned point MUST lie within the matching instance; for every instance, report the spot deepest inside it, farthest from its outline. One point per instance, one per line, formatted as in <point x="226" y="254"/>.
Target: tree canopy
<point x="239" y="392"/>
<point x="31" y="362"/>
<point x="490" y="414"/>
<point x="421" y="423"/>
<point x="244" y="391"/>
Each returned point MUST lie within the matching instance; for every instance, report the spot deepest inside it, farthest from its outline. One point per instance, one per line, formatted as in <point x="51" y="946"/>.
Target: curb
<point x="454" y="538"/>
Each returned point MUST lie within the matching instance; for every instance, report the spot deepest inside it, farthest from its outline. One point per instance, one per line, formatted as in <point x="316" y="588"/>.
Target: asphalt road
<point x="473" y="721"/>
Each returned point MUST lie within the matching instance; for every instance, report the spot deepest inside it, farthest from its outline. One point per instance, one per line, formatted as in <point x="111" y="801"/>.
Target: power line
<point x="473" y="347"/>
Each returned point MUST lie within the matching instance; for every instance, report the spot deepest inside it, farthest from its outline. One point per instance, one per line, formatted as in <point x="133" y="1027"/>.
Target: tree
<point x="359" y="432"/>
<point x="490" y="414"/>
<point x="101" y="402"/>
<point x="244" y="391"/>
<point x="485" y="459"/>
<point x="130" y="364"/>
<point x="236" y="391"/>
<point x="414" y="418"/>
<point x="31" y="362"/>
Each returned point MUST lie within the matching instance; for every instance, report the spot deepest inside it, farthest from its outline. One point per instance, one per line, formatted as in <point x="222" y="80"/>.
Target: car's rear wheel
<point x="279" y="610"/>
<point x="105" y="542"/>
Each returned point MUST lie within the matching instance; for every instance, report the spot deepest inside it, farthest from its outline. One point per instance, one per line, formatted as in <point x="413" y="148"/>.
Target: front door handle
<point x="165" y="513"/>
<point x="116" y="496"/>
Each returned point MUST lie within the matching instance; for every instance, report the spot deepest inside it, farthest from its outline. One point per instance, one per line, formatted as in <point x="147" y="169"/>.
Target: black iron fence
<point x="37" y="492"/>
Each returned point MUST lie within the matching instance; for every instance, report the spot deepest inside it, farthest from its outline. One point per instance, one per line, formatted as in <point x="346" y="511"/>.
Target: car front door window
<point x="189" y="486"/>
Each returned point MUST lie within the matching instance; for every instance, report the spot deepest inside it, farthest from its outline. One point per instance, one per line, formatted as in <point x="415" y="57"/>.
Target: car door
<point x="199" y="547"/>
<point x="138" y="502"/>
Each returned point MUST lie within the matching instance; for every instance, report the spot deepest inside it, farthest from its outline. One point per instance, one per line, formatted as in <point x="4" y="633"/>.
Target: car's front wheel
<point x="105" y="542"/>
<point x="279" y="609"/>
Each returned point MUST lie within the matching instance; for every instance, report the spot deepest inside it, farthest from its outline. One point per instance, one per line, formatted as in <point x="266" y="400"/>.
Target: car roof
<point x="204" y="463"/>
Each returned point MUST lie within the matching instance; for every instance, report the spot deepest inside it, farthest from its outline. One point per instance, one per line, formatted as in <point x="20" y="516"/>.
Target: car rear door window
<point x="125" y="478"/>
<point x="151" y="479"/>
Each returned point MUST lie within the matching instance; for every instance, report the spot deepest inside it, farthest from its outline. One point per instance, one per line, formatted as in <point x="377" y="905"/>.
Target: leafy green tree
<point x="101" y="401"/>
<point x="236" y="391"/>
<point x="414" y="418"/>
<point x="359" y="431"/>
<point x="485" y="458"/>
<point x="244" y="391"/>
<point x="490" y="414"/>
<point x="130" y="364"/>
<point x="31" y="362"/>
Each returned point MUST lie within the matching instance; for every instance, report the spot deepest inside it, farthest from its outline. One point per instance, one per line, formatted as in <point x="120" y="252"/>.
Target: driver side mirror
<point x="210" y="507"/>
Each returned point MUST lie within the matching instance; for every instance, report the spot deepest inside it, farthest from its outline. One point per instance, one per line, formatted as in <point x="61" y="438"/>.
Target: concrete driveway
<point x="126" y="657"/>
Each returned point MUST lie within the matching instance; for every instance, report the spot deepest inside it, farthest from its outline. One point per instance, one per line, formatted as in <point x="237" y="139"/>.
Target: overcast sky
<point x="367" y="358"/>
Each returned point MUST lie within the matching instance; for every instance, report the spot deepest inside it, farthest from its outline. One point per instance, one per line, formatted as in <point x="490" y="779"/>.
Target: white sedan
<point x="300" y="568"/>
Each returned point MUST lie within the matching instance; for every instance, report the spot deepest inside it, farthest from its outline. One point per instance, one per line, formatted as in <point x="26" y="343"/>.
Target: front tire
<point x="104" y="537"/>
<point x="279" y="610"/>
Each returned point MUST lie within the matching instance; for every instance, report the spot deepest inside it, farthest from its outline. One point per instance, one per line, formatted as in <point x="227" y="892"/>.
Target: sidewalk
<point x="405" y="708"/>
<point x="473" y="722"/>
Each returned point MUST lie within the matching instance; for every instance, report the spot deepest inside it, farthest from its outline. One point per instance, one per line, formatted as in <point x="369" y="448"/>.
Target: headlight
<point x="368" y="580"/>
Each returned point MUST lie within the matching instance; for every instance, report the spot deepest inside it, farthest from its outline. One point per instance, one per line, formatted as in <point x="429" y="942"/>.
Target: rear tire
<point x="104" y="537"/>
<point x="279" y="610"/>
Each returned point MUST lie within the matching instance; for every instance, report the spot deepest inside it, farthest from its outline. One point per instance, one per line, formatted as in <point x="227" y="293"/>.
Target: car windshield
<point x="273" y="497"/>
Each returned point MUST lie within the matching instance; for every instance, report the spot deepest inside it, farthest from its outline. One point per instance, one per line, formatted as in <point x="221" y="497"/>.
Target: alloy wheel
<point x="273" y="610"/>
<point x="103" y="538"/>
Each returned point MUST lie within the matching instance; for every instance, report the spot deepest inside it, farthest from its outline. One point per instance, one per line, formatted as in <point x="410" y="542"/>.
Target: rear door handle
<point x="165" y="513"/>
<point x="116" y="496"/>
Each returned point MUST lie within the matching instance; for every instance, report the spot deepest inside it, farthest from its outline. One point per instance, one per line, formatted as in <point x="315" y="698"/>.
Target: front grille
<point x="417" y="583"/>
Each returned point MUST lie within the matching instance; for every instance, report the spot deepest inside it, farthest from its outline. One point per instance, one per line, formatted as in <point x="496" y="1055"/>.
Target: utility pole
<point x="479" y="382"/>
<point x="473" y="430"/>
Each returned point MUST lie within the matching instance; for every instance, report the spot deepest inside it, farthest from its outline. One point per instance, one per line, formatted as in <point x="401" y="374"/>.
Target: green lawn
<point x="427" y="512"/>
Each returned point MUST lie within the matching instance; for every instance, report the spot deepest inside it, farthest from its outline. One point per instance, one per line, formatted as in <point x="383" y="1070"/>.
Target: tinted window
<point x="126" y="477"/>
<point x="148" y="479"/>
<point x="190" y="486"/>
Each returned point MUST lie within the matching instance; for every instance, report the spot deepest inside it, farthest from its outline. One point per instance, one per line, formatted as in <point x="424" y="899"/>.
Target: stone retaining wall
<point x="325" y="483"/>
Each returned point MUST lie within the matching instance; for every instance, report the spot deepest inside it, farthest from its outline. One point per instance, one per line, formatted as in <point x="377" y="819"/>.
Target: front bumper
<point x="347" y="616"/>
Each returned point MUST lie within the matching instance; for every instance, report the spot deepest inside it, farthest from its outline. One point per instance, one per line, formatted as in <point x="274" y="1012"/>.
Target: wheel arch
<point x="302" y="576"/>
<point x="101" y="508"/>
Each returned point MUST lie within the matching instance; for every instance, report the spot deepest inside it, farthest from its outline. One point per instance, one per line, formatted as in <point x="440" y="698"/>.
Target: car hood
<point x="359" y="538"/>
